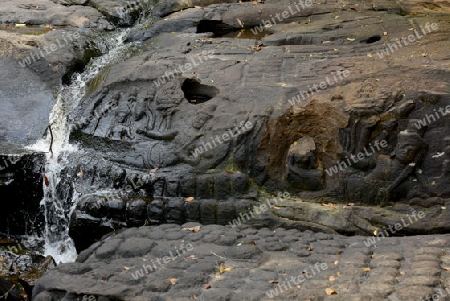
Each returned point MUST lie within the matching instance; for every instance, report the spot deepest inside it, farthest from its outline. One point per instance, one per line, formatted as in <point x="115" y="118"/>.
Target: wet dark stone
<point x="208" y="209"/>
<point x="205" y="186"/>
<point x="226" y="212"/>
<point x="175" y="211"/>
<point x="155" y="212"/>
<point x="136" y="212"/>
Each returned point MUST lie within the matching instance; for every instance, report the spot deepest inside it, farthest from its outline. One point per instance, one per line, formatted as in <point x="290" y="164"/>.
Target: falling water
<point x="59" y="197"/>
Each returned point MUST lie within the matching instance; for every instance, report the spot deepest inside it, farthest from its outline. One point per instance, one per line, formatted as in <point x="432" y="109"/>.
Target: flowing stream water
<point x="59" y="199"/>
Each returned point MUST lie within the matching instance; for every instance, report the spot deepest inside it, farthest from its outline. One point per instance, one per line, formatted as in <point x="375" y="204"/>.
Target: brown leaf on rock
<point x="311" y="248"/>
<point x="365" y="269"/>
<point x="207" y="286"/>
<point x="330" y="291"/>
<point x="173" y="281"/>
<point x="193" y="229"/>
<point x="224" y="269"/>
<point x="329" y="204"/>
<point x="332" y="278"/>
<point x="189" y="199"/>
<point x="273" y="281"/>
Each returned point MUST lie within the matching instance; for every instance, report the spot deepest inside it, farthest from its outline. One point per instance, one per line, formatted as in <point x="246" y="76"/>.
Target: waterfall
<point x="59" y="196"/>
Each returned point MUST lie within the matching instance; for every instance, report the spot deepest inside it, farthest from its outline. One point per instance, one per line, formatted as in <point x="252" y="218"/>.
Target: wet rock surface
<point x="21" y="190"/>
<point x="366" y="137"/>
<point x="212" y="262"/>
<point x="149" y="154"/>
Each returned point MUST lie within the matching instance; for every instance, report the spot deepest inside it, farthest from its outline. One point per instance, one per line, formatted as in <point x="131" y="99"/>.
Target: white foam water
<point x="59" y="207"/>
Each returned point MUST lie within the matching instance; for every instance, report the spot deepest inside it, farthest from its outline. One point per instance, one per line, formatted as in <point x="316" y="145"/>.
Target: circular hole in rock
<point x="372" y="39"/>
<point x="197" y="93"/>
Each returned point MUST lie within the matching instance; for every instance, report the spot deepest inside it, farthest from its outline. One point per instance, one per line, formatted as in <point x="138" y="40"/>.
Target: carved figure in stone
<point x="392" y="176"/>
<point x="166" y="101"/>
<point x="203" y="116"/>
<point x="123" y="122"/>
<point x="302" y="165"/>
<point x="441" y="184"/>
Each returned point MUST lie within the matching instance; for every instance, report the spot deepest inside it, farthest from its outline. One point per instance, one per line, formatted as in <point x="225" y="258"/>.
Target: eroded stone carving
<point x="302" y="164"/>
<point x="390" y="177"/>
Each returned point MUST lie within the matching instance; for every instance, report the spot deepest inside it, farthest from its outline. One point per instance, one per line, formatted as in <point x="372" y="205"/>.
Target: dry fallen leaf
<point x="207" y="286"/>
<point x="154" y="170"/>
<point x="332" y="278"/>
<point x="311" y="247"/>
<point x="173" y="281"/>
<point x="402" y="273"/>
<point x="126" y="268"/>
<point x="338" y="274"/>
<point x="193" y="229"/>
<point x="273" y="281"/>
<point x="336" y="262"/>
<point x="189" y="199"/>
<point x="223" y="268"/>
<point x="366" y="269"/>
<point x="240" y="23"/>
<point x="446" y="268"/>
<point x="199" y="7"/>
<point x="276" y="207"/>
<point x="369" y="54"/>
<point x="252" y="243"/>
<point x="330" y="291"/>
<point x="256" y="47"/>
<point x="329" y="204"/>
<point x="350" y="39"/>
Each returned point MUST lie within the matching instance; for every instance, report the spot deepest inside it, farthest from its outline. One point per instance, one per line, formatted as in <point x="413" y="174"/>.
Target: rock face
<point x="172" y="262"/>
<point x="335" y="103"/>
<point x="222" y="102"/>
<point x="21" y="189"/>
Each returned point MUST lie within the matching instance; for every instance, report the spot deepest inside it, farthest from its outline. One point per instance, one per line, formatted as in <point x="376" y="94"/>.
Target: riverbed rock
<point x="194" y="261"/>
<point x="213" y="104"/>
<point x="335" y="75"/>
<point x="21" y="183"/>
